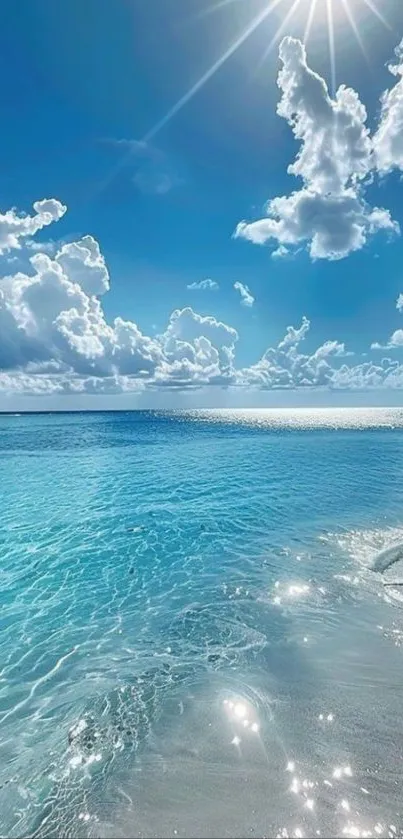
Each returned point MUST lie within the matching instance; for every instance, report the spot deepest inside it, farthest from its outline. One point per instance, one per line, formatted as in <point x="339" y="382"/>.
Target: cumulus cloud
<point x="247" y="298"/>
<point x="56" y="339"/>
<point x="386" y="374"/>
<point x="203" y="285"/>
<point x="395" y="342"/>
<point x="287" y="367"/>
<point x="55" y="314"/>
<point x="197" y="347"/>
<point x="14" y="226"/>
<point x="84" y="264"/>
<point x="293" y="336"/>
<point x="328" y="214"/>
<point x="396" y="339"/>
<point x="388" y="140"/>
<point x="186" y="325"/>
<point x="54" y="336"/>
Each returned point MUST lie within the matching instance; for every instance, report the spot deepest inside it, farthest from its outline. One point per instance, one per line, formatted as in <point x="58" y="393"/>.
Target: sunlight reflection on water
<point x="193" y="643"/>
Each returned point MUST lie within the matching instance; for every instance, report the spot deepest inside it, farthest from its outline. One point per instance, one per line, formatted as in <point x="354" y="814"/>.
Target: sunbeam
<point x="310" y="20"/>
<point x="330" y="30"/>
<point x="355" y="29"/>
<point x="377" y="13"/>
<point x="252" y="26"/>
<point x="257" y="21"/>
<point x="280" y="30"/>
<point x="217" y="6"/>
<point x="312" y="9"/>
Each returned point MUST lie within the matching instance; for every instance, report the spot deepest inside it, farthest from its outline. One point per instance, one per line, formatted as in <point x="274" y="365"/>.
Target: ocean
<point x="192" y="639"/>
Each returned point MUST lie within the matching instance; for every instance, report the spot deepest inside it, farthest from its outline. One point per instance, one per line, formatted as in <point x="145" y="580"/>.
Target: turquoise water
<point x="192" y="642"/>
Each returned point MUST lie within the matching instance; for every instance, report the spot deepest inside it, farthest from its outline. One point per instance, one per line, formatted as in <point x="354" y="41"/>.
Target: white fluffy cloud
<point x="385" y="374"/>
<point x="285" y="366"/>
<point x="55" y="339"/>
<point x="14" y="226"/>
<point x="247" y="298"/>
<point x="197" y="349"/>
<point x="395" y="342"/>
<point x="396" y="339"/>
<point x="54" y="336"/>
<point x="388" y="140"/>
<point x="329" y="213"/>
<point x="84" y="264"/>
<point x="203" y="285"/>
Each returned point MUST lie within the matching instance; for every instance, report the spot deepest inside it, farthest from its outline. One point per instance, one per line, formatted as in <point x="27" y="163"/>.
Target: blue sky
<point x="119" y="320"/>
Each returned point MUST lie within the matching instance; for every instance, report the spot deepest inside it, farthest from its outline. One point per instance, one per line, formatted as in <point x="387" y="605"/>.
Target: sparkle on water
<point x="192" y="641"/>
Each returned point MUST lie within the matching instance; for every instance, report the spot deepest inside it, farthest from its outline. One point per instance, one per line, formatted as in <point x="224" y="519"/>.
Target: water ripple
<point x="192" y="639"/>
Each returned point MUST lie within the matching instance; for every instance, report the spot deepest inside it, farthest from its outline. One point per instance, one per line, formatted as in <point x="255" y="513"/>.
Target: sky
<point x="201" y="203"/>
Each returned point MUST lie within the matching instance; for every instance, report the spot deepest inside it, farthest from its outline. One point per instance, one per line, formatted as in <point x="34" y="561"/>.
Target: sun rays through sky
<point x="327" y="14"/>
<point x="329" y="17"/>
<point x="207" y="208"/>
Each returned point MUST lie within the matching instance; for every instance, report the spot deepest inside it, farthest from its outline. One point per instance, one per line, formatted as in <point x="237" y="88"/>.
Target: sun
<point x="325" y="13"/>
<point x="330" y="13"/>
<point x="310" y="11"/>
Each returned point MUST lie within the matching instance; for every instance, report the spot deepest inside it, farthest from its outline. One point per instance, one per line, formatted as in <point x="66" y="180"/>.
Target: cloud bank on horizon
<point x="54" y="335"/>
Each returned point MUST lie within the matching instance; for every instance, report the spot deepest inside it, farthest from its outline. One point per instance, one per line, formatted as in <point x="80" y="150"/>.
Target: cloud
<point x="56" y="339"/>
<point x="246" y="297"/>
<point x="201" y="348"/>
<point x="395" y="342"/>
<point x="49" y="247"/>
<point x="14" y="227"/>
<point x="203" y="285"/>
<point x="286" y="367"/>
<point x="280" y="253"/>
<point x="60" y="383"/>
<point x="293" y="336"/>
<point x="328" y="214"/>
<point x="54" y="336"/>
<point x="396" y="339"/>
<point x="153" y="172"/>
<point x="153" y="182"/>
<point x="388" y="140"/>
<point x="386" y="374"/>
<point x="84" y="264"/>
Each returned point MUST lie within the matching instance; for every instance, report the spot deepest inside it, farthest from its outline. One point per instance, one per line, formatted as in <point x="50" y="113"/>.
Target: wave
<point x="387" y="557"/>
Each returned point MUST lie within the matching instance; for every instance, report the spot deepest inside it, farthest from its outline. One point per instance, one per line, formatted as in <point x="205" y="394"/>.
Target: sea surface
<point x="192" y="640"/>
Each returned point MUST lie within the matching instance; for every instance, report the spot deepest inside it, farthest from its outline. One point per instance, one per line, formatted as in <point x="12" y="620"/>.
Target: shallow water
<point x="192" y="642"/>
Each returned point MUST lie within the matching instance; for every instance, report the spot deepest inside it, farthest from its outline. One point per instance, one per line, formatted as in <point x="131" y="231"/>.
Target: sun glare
<point x="326" y="16"/>
<point x="323" y="14"/>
